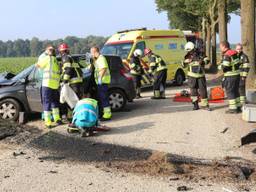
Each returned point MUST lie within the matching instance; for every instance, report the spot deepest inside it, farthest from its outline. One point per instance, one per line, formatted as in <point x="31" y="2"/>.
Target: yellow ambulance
<point x="169" y="44"/>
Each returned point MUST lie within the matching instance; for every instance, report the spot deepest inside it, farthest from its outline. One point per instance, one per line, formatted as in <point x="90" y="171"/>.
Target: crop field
<point x="16" y="64"/>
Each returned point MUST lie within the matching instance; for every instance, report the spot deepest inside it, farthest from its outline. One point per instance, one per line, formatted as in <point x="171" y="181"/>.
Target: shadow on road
<point x="129" y="128"/>
<point x="64" y="148"/>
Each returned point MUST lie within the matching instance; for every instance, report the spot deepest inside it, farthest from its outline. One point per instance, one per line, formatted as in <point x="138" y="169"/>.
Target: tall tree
<point x="248" y="37"/>
<point x="35" y="47"/>
<point x="222" y="13"/>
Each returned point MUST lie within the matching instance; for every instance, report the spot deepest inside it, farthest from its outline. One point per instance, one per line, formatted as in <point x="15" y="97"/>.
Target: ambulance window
<point x="159" y="46"/>
<point x="141" y="46"/>
<point x="173" y="46"/>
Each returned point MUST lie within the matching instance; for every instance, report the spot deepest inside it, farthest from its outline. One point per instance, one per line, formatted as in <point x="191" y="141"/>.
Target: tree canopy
<point x="34" y="47"/>
<point x="188" y="14"/>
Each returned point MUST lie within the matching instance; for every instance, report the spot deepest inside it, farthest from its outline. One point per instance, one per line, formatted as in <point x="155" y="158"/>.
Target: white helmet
<point x="189" y="46"/>
<point x="137" y="53"/>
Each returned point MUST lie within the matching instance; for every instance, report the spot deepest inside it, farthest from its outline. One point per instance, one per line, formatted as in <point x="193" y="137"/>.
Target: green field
<point x="16" y="64"/>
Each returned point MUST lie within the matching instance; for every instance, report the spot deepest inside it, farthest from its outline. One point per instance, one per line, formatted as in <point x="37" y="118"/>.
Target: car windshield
<point x="23" y="73"/>
<point x="122" y="50"/>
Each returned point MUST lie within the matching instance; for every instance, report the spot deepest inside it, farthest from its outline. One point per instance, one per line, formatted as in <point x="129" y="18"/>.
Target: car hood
<point x="4" y="81"/>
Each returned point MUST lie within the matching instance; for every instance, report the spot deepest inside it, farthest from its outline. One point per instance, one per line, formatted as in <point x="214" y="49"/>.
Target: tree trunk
<point x="213" y="67"/>
<point x="204" y="34"/>
<point x="248" y="37"/>
<point x="208" y="43"/>
<point x="222" y="15"/>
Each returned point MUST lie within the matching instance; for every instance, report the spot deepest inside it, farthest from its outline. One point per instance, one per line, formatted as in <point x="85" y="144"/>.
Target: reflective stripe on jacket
<point x="156" y="63"/>
<point x="230" y="63"/>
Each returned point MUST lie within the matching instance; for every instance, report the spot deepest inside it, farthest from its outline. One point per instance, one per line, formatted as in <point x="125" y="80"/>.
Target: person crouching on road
<point x="159" y="69"/>
<point x="50" y="86"/>
<point x="244" y="70"/>
<point x="102" y="79"/>
<point x="71" y="74"/>
<point x="196" y="76"/>
<point x="231" y="67"/>
<point x="136" y="70"/>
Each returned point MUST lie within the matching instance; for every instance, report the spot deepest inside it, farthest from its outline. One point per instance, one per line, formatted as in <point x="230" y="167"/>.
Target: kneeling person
<point x="85" y="116"/>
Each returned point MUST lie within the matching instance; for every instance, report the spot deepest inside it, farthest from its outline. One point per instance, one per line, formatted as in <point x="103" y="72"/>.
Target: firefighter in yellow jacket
<point x="196" y="77"/>
<point x="50" y="86"/>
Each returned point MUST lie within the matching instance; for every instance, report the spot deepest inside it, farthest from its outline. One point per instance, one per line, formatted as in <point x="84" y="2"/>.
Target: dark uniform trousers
<point x="160" y="80"/>
<point x="196" y="84"/>
<point x="231" y="85"/>
<point x="137" y="81"/>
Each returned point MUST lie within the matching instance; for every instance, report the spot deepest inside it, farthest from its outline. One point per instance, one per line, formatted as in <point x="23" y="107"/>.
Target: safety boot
<point x="239" y="110"/>
<point x="156" y="95"/>
<point x="162" y="95"/>
<point x="47" y="119"/>
<point x="107" y="115"/>
<point x="196" y="105"/>
<point x="207" y="108"/>
<point x="138" y="91"/>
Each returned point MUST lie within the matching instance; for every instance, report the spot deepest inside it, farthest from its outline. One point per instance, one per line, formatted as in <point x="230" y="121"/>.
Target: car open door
<point x="33" y="90"/>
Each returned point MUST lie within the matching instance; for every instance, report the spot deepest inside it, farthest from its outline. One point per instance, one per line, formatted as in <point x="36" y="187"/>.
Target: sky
<point x="53" y="19"/>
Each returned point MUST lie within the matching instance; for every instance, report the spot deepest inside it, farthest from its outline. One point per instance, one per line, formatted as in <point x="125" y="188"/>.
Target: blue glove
<point x="99" y="81"/>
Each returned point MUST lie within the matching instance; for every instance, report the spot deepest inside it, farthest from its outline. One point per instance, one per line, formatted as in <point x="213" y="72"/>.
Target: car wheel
<point x="179" y="78"/>
<point x="117" y="99"/>
<point x="9" y="110"/>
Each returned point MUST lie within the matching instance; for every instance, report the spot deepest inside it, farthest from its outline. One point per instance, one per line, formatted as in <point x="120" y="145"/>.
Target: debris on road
<point x="225" y="130"/>
<point x="183" y="188"/>
<point x="15" y="154"/>
<point x="12" y="132"/>
<point x="249" y="138"/>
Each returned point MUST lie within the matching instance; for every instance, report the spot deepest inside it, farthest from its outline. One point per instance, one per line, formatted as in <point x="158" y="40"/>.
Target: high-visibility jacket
<point x="71" y="72"/>
<point x="85" y="114"/>
<point x="195" y="65"/>
<point x="51" y="71"/>
<point x="230" y="63"/>
<point x="244" y="64"/>
<point x="156" y="63"/>
<point x="135" y="66"/>
<point x="101" y="63"/>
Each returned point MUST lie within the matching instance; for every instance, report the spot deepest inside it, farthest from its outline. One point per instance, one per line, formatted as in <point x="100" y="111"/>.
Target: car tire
<point x="117" y="99"/>
<point x="9" y="110"/>
<point x="179" y="78"/>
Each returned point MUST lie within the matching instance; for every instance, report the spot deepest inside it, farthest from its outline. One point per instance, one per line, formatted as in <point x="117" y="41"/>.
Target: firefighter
<point x="196" y="76"/>
<point x="71" y="74"/>
<point x="244" y="70"/>
<point x="102" y="78"/>
<point x="136" y="70"/>
<point x="71" y="71"/>
<point x="231" y="67"/>
<point x="50" y="86"/>
<point x="159" y="70"/>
